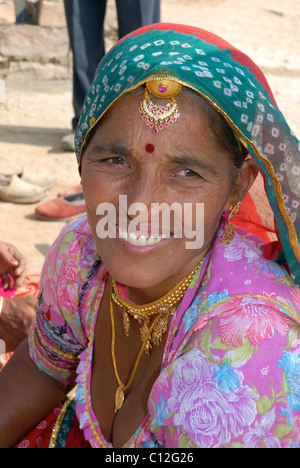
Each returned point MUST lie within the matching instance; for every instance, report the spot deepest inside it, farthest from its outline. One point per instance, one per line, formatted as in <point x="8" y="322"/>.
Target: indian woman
<point x="180" y="334"/>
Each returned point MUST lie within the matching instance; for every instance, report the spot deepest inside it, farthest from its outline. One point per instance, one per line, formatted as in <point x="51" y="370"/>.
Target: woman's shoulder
<point x="75" y="242"/>
<point x="72" y="276"/>
<point x="238" y="277"/>
<point x="242" y="268"/>
<point x="77" y="231"/>
<point x="72" y="262"/>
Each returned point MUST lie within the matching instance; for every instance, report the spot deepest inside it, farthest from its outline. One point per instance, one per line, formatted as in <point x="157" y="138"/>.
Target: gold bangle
<point x="1" y="304"/>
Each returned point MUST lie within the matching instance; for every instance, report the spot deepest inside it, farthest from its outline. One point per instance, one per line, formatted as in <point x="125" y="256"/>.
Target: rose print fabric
<point x="231" y="368"/>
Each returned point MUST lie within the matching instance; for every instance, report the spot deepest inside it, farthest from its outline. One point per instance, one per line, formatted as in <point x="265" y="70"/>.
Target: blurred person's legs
<point x="133" y="14"/>
<point x="85" y="20"/>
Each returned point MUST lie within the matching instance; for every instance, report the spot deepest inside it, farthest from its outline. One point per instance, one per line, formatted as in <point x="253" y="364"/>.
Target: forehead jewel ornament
<point x="158" y="117"/>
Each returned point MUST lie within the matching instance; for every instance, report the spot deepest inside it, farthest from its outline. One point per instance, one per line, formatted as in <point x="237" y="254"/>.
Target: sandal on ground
<point x="20" y="191"/>
<point x="62" y="208"/>
<point x="42" y="180"/>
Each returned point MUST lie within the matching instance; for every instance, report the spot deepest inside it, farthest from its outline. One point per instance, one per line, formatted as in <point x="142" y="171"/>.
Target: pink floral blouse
<point x="230" y="374"/>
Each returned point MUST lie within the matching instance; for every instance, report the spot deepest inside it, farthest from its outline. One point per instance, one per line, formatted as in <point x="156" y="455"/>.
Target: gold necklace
<point x="165" y="306"/>
<point x="120" y="396"/>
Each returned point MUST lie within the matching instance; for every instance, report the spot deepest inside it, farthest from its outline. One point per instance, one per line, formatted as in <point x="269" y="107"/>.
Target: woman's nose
<point x="144" y="188"/>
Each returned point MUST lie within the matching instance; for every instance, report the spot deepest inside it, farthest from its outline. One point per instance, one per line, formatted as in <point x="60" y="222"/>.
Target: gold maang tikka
<point x="158" y="117"/>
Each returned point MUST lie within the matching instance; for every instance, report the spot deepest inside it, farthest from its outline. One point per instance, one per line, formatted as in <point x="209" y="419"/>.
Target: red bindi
<point x="150" y="148"/>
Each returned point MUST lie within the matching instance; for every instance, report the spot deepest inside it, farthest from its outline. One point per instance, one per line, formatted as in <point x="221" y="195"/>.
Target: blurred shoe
<point x="62" y="208"/>
<point x="32" y="178"/>
<point x="38" y="179"/>
<point x="20" y="191"/>
<point x="68" y="142"/>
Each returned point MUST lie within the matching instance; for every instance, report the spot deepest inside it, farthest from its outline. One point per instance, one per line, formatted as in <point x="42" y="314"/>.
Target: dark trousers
<point x="85" y="20"/>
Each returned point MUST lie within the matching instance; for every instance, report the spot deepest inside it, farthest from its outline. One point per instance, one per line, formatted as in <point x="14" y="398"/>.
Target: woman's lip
<point x="140" y="245"/>
<point x="141" y="240"/>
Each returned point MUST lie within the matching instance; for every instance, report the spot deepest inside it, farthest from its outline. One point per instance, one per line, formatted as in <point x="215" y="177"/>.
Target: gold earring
<point x="229" y="232"/>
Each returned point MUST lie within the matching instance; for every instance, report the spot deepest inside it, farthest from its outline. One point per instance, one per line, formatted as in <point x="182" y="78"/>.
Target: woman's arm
<point x="15" y="320"/>
<point x="27" y="395"/>
<point x="56" y="339"/>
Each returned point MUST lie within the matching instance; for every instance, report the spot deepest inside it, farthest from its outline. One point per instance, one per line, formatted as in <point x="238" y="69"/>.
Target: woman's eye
<point x="117" y="161"/>
<point x="189" y="173"/>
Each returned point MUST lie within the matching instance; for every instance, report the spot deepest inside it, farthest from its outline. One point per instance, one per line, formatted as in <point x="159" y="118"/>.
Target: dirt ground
<point x="36" y="115"/>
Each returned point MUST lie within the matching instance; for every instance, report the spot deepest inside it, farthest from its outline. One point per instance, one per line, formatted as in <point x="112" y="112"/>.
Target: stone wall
<point x="39" y="48"/>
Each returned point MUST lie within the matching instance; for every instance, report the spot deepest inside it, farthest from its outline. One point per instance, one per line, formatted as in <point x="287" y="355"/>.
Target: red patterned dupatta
<point x="60" y="429"/>
<point x="237" y="88"/>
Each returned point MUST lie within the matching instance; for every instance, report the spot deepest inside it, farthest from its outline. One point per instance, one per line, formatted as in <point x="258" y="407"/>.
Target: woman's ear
<point x="247" y="175"/>
<point x="245" y="178"/>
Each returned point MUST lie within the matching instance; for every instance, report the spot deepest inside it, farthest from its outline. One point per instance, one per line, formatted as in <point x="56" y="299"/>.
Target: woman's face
<point x="185" y="167"/>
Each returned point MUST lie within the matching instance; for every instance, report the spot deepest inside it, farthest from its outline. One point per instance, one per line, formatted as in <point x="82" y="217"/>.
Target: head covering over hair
<point x="237" y="88"/>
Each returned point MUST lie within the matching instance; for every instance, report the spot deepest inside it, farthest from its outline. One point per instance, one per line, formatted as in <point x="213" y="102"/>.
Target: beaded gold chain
<point x="120" y="393"/>
<point x="165" y="306"/>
